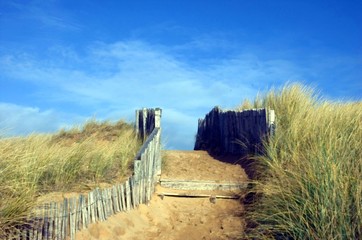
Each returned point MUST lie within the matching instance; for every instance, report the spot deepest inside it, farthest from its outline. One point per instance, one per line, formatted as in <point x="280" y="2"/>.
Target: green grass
<point x="312" y="184"/>
<point x="73" y="160"/>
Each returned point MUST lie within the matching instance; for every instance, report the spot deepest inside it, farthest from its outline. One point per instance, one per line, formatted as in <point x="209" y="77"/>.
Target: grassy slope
<point x="312" y="188"/>
<point x="66" y="161"/>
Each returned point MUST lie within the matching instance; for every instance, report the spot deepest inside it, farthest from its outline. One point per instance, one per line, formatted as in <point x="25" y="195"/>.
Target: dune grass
<point x="312" y="184"/>
<point x="72" y="160"/>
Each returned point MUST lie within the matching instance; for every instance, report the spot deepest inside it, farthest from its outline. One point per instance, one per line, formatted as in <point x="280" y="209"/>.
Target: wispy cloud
<point x="41" y="13"/>
<point x="112" y="80"/>
<point x="22" y="120"/>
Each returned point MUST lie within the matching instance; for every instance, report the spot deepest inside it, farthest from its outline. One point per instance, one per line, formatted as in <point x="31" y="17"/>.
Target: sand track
<point x="175" y="217"/>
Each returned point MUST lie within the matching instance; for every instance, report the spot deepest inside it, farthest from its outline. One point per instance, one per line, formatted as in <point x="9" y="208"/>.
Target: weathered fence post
<point x="158" y="159"/>
<point x="271" y="122"/>
<point x="158" y="113"/>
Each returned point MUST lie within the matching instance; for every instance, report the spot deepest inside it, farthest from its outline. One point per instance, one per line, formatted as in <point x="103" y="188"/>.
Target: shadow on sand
<point x="247" y="163"/>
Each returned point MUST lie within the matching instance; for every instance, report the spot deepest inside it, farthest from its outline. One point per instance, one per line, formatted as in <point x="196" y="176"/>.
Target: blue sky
<point x="62" y="62"/>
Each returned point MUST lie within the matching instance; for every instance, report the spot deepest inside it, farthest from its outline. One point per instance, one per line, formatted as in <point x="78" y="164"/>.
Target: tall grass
<point x="312" y="186"/>
<point x="73" y="160"/>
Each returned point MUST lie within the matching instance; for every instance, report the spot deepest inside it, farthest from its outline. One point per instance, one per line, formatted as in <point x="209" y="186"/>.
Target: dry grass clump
<point x="312" y="188"/>
<point x="73" y="160"/>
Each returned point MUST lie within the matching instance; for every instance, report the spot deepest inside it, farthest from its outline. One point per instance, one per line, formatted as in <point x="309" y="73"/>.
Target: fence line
<point x="62" y="220"/>
<point x="234" y="132"/>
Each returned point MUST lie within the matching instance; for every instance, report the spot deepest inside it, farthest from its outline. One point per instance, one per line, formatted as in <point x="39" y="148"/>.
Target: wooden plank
<point x="132" y="192"/>
<point x="58" y="220"/>
<point x="99" y="204"/>
<point x="65" y="218"/>
<point x="123" y="197"/>
<point x="115" y="200"/>
<point x="140" y="183"/>
<point x="197" y="195"/>
<point x="31" y="231"/>
<point x="85" y="211"/>
<point x="146" y="143"/>
<point x="110" y="202"/>
<point x="35" y="219"/>
<point x="202" y="185"/>
<point x="135" y="191"/>
<point x="95" y="205"/>
<point x="72" y="217"/>
<point x="41" y="223"/>
<point x="45" y="221"/>
<point x="137" y="122"/>
<point x="119" y="193"/>
<point x="51" y="220"/>
<point x="79" y="216"/>
<point x="143" y="180"/>
<point x="91" y="207"/>
<point x="128" y="195"/>
<point x="158" y="156"/>
<point x="105" y="202"/>
<point x="24" y="233"/>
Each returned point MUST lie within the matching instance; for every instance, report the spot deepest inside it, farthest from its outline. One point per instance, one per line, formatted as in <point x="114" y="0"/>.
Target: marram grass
<point x="312" y="186"/>
<point x="73" y="160"/>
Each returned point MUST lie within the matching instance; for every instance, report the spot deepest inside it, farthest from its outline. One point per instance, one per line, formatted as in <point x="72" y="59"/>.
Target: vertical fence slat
<point x="56" y="221"/>
<point x="39" y="215"/>
<point x="72" y="217"/>
<point x="24" y="233"/>
<point x="115" y="199"/>
<point x="90" y="204"/>
<point x="65" y="217"/>
<point x="123" y="196"/>
<point x="46" y="222"/>
<point x="84" y="212"/>
<point x="128" y="194"/>
<point x="110" y="202"/>
<point x="78" y="216"/>
<point x="31" y="232"/>
<point x="118" y="191"/>
<point x="106" y="203"/>
<point x="98" y="203"/>
<point x="51" y="220"/>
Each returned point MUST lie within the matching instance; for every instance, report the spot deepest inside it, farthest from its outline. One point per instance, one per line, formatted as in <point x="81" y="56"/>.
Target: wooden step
<point x="211" y="197"/>
<point x="203" y="185"/>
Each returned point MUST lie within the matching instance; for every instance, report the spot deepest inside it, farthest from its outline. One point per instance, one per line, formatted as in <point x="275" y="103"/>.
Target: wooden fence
<point x="61" y="220"/>
<point x="234" y="132"/>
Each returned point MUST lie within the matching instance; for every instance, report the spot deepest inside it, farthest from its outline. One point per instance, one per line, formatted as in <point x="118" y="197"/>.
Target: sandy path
<point x="179" y="218"/>
<point x="199" y="165"/>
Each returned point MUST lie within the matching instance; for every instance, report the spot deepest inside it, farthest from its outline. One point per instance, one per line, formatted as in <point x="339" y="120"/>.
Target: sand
<point x="176" y="217"/>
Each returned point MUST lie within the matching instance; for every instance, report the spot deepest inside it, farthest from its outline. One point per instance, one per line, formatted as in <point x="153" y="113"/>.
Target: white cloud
<point x="118" y="78"/>
<point x="17" y="119"/>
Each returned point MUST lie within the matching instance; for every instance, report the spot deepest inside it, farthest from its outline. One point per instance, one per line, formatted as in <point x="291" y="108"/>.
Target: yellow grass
<point x="81" y="158"/>
<point x="312" y="186"/>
